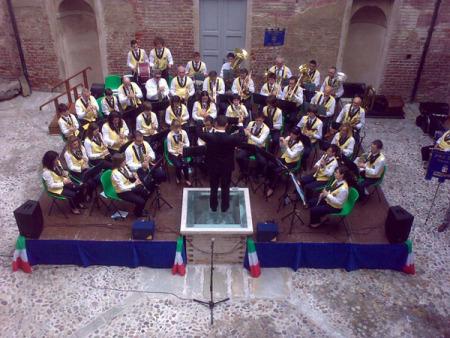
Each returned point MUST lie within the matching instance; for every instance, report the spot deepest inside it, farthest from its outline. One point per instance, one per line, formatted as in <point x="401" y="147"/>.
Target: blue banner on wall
<point x="274" y="37"/>
<point x="439" y="165"/>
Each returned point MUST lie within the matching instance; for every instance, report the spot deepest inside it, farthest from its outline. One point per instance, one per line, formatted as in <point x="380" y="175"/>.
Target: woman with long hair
<point x="203" y="108"/>
<point x="115" y="133"/>
<point x="96" y="148"/>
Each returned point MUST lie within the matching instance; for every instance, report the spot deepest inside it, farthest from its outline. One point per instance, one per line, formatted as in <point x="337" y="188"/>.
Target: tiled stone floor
<point x="71" y="301"/>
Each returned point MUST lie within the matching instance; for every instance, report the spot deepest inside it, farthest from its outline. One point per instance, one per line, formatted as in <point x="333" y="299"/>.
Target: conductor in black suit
<point x="220" y="160"/>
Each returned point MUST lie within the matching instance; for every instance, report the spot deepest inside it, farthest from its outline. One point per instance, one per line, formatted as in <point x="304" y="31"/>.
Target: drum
<point x="143" y="73"/>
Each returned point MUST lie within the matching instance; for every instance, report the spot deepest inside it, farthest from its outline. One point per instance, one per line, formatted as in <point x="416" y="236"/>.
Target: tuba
<point x="304" y="74"/>
<point x="341" y="77"/>
<point x="239" y="56"/>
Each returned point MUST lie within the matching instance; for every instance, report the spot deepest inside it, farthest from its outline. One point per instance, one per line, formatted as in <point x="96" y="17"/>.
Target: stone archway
<point x="79" y="39"/>
<point x="363" y="53"/>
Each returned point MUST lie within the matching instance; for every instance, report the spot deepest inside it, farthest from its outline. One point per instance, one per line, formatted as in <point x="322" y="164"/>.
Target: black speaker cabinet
<point x="29" y="219"/>
<point x="97" y="90"/>
<point x="398" y="224"/>
<point x="354" y="88"/>
<point x="434" y="108"/>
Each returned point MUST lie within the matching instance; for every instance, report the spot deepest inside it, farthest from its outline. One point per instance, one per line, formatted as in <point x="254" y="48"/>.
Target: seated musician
<point x="257" y="133"/>
<point x="314" y="74"/>
<point x="244" y="87"/>
<point x="161" y="58"/>
<point x="442" y="144"/>
<point x="130" y="94"/>
<point x="323" y="171"/>
<point x="128" y="186"/>
<point x="344" y="140"/>
<point x="274" y="120"/>
<point x="110" y="103"/>
<point x="204" y="108"/>
<point x="177" y="139"/>
<point x="332" y="198"/>
<point x="353" y="114"/>
<point x="271" y="87"/>
<point x="147" y="122"/>
<point x="237" y="110"/>
<point x="208" y="127"/>
<point x="136" y="56"/>
<point x="67" y="122"/>
<point x="293" y="91"/>
<point x="177" y="111"/>
<point x="311" y="127"/>
<point x="371" y="167"/>
<point x="332" y="81"/>
<point x="326" y="100"/>
<point x="291" y="153"/>
<point x="86" y="108"/>
<point x="157" y="88"/>
<point x="96" y="149"/>
<point x="182" y="86"/>
<point x="140" y="157"/>
<point x="58" y="182"/>
<point x="281" y="71"/>
<point x="115" y="133"/>
<point x="196" y="70"/>
<point x="77" y="162"/>
<point x="227" y="65"/>
<point x="214" y="85"/>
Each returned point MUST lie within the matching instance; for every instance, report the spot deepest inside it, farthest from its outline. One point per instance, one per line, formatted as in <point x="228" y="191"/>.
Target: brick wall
<point x="9" y="57"/>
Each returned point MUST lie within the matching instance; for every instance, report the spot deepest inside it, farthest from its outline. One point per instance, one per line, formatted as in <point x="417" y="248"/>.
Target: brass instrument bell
<point x="239" y="56"/>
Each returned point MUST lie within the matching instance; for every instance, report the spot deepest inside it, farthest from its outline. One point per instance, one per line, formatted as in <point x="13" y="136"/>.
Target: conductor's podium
<point x="229" y="229"/>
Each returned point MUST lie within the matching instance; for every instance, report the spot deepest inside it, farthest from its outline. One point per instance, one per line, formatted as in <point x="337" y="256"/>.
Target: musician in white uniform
<point x="157" y="88"/>
<point x="332" y="81"/>
<point x="161" y="58"/>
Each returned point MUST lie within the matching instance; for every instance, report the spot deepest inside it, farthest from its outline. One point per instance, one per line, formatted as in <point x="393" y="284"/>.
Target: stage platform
<point x="84" y="232"/>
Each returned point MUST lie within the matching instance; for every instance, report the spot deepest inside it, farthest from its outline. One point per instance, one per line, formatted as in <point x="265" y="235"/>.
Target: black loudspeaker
<point x="434" y="108"/>
<point x="354" y="88"/>
<point x="97" y="90"/>
<point x="29" y="219"/>
<point x="398" y="224"/>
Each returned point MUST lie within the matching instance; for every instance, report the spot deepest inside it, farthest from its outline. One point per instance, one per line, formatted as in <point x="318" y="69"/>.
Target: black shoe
<point x="214" y="209"/>
<point x="224" y="209"/>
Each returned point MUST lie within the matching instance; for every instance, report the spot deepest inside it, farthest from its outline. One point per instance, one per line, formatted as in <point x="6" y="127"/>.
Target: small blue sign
<point x="439" y="166"/>
<point x="274" y="37"/>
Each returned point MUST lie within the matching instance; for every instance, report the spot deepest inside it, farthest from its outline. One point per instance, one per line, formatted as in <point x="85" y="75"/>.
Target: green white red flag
<point x="255" y="269"/>
<point x="409" y="267"/>
<point x="179" y="266"/>
<point x="20" y="258"/>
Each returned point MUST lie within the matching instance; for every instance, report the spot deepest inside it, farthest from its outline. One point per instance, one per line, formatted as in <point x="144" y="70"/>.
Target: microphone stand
<point x="211" y="303"/>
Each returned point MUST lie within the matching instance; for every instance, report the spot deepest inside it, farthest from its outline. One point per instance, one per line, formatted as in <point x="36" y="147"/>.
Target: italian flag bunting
<point x="179" y="266"/>
<point x="409" y="267"/>
<point x="20" y="258"/>
<point x="255" y="269"/>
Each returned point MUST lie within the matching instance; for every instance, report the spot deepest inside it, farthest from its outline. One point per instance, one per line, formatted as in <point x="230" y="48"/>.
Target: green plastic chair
<point x="375" y="185"/>
<point x="109" y="192"/>
<point x="100" y="110"/>
<point x="168" y="161"/>
<point x="113" y="82"/>
<point x="55" y="198"/>
<point x="347" y="209"/>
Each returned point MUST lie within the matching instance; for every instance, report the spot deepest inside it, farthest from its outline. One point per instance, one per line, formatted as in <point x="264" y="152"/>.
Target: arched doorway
<point x="364" y="48"/>
<point x="79" y="39"/>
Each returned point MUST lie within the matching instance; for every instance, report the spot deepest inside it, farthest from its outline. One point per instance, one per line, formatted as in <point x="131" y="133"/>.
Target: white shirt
<point x="339" y="92"/>
<point x="185" y="144"/>
<point x="362" y="116"/>
<point x="131" y="164"/>
<point x="117" y="177"/>
<point x="106" y="109"/>
<point x="279" y="71"/>
<point x="152" y="88"/>
<point x="230" y="112"/>
<point x="79" y="108"/>
<point x="140" y="121"/>
<point x="261" y="139"/>
<point x="297" y="97"/>
<point x="203" y="65"/>
<point x="219" y="84"/>
<point x="129" y="64"/>
<point x="123" y="98"/>
<point x="316" y="79"/>
<point x="49" y="181"/>
<point x="197" y="109"/>
<point x="189" y="85"/>
<point x="184" y="114"/>
<point x="279" y="121"/>
<point x="235" y="87"/>
<point x="71" y="165"/>
<point x="348" y="149"/>
<point x="153" y="56"/>
<point x="225" y="66"/>
<point x="89" y="151"/>
<point x="276" y="88"/>
<point x="318" y="132"/>
<point x="293" y="151"/>
<point x="330" y="168"/>
<point x="106" y="133"/>
<point x="64" y="126"/>
<point x="341" y="196"/>
<point x="319" y="99"/>
<point x="378" y="165"/>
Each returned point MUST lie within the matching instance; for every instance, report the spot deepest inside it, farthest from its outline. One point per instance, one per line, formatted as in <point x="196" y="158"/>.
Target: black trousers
<point x="274" y="141"/>
<point x="320" y="210"/>
<point x="181" y="166"/>
<point x="367" y="182"/>
<point x="138" y="196"/>
<point x="220" y="178"/>
<point x="90" y="178"/>
<point x="243" y="161"/>
<point x="104" y="164"/>
<point x="310" y="184"/>
<point x="74" y="195"/>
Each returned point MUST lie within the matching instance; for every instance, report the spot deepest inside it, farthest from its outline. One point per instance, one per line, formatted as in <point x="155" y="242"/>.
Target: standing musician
<point x="291" y="153"/>
<point x="314" y="74"/>
<point x="332" y="81"/>
<point x="271" y="87"/>
<point x="257" y="133"/>
<point x="147" y="122"/>
<point x="140" y="157"/>
<point x="67" y="122"/>
<point x="157" y="88"/>
<point x="204" y="108"/>
<point x="244" y="87"/>
<point x="331" y="199"/>
<point x="196" y="70"/>
<point x="227" y="65"/>
<point x="323" y="171"/>
<point x="161" y="58"/>
<point x="214" y="85"/>
<point x="371" y="167"/>
<point x="115" y="133"/>
<point x="78" y="164"/>
<point x="136" y="56"/>
<point x="130" y="96"/>
<point x="274" y="120"/>
<point x="177" y="139"/>
<point x="96" y="149"/>
<point x="110" y="103"/>
<point x="237" y="110"/>
<point x="182" y="86"/>
<point x="325" y="100"/>
<point x="344" y="140"/>
<point x="128" y="186"/>
<point x="353" y="114"/>
<point x="281" y="71"/>
<point x="177" y="111"/>
<point x="86" y="108"/>
<point x="57" y="181"/>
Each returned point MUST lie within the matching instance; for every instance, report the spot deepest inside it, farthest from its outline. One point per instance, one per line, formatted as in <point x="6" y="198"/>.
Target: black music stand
<point x="195" y="153"/>
<point x="259" y="99"/>
<point x="288" y="107"/>
<point x="272" y="159"/>
<point x="246" y="178"/>
<point x="158" y="201"/>
<point x="295" y="213"/>
<point x="162" y="105"/>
